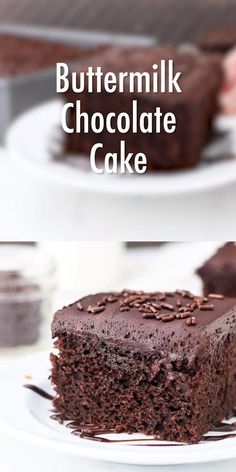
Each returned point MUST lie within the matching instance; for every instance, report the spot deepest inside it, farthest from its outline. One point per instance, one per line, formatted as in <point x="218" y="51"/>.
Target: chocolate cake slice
<point x="219" y="272"/>
<point x="162" y="364"/>
<point x="194" y="108"/>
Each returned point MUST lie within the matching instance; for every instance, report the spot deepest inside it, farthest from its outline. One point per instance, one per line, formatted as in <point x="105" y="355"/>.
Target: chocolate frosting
<point x="132" y="328"/>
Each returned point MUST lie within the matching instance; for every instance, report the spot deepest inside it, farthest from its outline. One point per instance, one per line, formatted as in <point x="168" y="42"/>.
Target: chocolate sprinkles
<point x="80" y="306"/>
<point x="150" y="305"/>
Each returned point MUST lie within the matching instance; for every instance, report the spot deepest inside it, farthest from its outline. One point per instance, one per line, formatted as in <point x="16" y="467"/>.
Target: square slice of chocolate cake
<point x="162" y="364"/>
<point x="219" y="272"/>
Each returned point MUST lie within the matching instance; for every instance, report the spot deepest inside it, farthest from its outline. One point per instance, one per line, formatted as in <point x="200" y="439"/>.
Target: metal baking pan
<point x="22" y="92"/>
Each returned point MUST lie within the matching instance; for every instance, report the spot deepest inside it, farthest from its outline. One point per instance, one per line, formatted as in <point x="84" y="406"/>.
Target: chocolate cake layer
<point x="22" y="55"/>
<point x="194" y="108"/>
<point x="160" y="364"/>
<point x="219" y="272"/>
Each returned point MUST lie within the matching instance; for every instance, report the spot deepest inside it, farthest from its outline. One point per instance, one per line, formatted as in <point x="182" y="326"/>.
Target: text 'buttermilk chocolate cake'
<point x="162" y="364"/>
<point x="194" y="108"/>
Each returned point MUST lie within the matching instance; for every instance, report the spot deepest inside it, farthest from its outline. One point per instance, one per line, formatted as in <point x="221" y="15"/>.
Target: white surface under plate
<point x="25" y="415"/>
<point x="33" y="137"/>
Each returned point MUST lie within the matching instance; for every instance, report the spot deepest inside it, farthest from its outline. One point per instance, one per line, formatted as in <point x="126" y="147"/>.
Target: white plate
<point x="32" y="136"/>
<point x="26" y="416"/>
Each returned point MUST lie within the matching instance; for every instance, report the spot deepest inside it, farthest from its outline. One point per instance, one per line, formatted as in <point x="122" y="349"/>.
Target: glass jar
<point x="27" y="281"/>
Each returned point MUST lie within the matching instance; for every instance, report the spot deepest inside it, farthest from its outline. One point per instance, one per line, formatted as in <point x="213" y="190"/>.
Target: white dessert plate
<point x="25" y="415"/>
<point x="35" y="136"/>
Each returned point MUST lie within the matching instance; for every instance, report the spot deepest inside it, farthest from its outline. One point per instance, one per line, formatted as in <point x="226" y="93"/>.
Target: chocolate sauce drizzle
<point x="93" y="433"/>
<point x="39" y="391"/>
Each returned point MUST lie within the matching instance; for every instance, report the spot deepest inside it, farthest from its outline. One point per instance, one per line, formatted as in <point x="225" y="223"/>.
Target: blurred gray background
<point x="171" y="20"/>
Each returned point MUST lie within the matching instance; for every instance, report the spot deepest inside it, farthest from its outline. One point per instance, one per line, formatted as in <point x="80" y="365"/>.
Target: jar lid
<point x="24" y="268"/>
